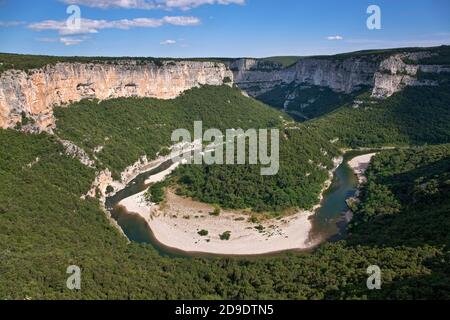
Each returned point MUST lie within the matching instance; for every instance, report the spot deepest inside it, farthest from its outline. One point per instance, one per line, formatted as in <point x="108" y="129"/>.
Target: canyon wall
<point x="28" y="98"/>
<point x="386" y="74"/>
<point x="393" y="74"/>
<point x="256" y="77"/>
<point x="34" y="94"/>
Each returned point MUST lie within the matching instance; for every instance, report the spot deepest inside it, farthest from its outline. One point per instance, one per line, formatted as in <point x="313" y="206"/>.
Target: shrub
<point x="227" y="80"/>
<point x="216" y="211"/>
<point x="156" y="192"/>
<point x="225" y="236"/>
<point x="164" y="152"/>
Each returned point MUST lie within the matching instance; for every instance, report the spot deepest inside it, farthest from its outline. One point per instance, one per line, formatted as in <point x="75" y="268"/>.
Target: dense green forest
<point x="146" y="125"/>
<point x="401" y="223"/>
<point x="406" y="198"/>
<point x="90" y="124"/>
<point x="305" y="159"/>
<point x="417" y="115"/>
<point x="309" y="101"/>
<point x="380" y="54"/>
<point x="45" y="227"/>
<point x="26" y="62"/>
<point x="413" y="116"/>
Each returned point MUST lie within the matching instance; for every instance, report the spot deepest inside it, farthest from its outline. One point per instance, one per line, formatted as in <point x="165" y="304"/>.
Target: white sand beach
<point x="179" y="220"/>
<point x="359" y="166"/>
<point x="176" y="224"/>
<point x="163" y="174"/>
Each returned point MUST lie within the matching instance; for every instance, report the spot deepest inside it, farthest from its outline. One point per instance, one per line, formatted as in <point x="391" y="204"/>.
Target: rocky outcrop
<point x="394" y="74"/>
<point x="347" y="75"/>
<point x="76" y="152"/>
<point x="385" y="74"/>
<point x="33" y="95"/>
<point x="36" y="93"/>
<point x="100" y="185"/>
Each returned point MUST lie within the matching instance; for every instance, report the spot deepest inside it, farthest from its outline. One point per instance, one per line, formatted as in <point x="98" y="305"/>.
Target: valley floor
<point x="179" y="222"/>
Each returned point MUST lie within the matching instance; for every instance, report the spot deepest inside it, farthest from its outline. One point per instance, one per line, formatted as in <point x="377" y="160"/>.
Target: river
<point x="329" y="222"/>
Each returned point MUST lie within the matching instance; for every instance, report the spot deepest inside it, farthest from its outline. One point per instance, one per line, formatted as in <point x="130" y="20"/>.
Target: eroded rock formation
<point x="386" y="75"/>
<point x="36" y="93"/>
<point x="257" y="77"/>
<point x="32" y="96"/>
<point x="393" y="74"/>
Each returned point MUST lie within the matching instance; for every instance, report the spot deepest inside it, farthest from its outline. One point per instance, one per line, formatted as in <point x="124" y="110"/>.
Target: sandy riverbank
<point x="178" y="222"/>
<point x="359" y="166"/>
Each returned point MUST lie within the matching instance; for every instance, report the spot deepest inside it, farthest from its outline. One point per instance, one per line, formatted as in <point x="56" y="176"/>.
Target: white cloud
<point x="182" y="20"/>
<point x="7" y="24"/>
<point x="88" y="26"/>
<point x="68" y="41"/>
<point x="168" y="42"/>
<point x="188" y="4"/>
<point x="150" y="4"/>
<point x="337" y="37"/>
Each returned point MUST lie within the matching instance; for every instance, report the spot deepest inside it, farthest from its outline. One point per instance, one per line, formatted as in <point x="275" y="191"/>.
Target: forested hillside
<point x="127" y="129"/>
<point x="401" y="225"/>
<point x="45" y="227"/>
<point x="414" y="116"/>
<point x="26" y="62"/>
<point x="146" y="126"/>
<point x="304" y="102"/>
<point x="305" y="162"/>
<point x="417" y="115"/>
<point x="406" y="198"/>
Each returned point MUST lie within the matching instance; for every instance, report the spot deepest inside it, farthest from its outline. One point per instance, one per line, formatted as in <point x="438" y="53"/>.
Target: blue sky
<point x="219" y="28"/>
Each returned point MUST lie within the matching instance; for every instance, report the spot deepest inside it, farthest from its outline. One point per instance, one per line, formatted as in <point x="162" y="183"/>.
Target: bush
<point x="216" y="211"/>
<point x="156" y="192"/>
<point x="227" y="80"/>
<point x="164" y="152"/>
<point x="225" y="236"/>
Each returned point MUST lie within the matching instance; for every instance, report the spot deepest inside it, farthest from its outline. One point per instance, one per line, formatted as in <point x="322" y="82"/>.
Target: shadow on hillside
<point x="423" y="114"/>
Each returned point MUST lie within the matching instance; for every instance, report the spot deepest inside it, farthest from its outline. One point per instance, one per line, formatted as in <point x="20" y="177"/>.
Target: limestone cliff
<point x="28" y="98"/>
<point x="386" y="74"/>
<point x="345" y="76"/>
<point x="34" y="94"/>
<point x="394" y="74"/>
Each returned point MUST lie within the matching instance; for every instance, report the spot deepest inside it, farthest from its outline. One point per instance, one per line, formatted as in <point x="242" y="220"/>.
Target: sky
<point x="218" y="28"/>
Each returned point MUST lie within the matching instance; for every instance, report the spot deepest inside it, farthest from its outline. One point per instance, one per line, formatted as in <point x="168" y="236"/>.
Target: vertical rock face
<point x="386" y="74"/>
<point x="32" y="96"/>
<point x="347" y="75"/>
<point x="394" y="74"/>
<point x="35" y="94"/>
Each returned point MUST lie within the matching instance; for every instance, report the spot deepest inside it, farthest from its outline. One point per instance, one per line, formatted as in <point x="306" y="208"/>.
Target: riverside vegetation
<point x="45" y="226"/>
